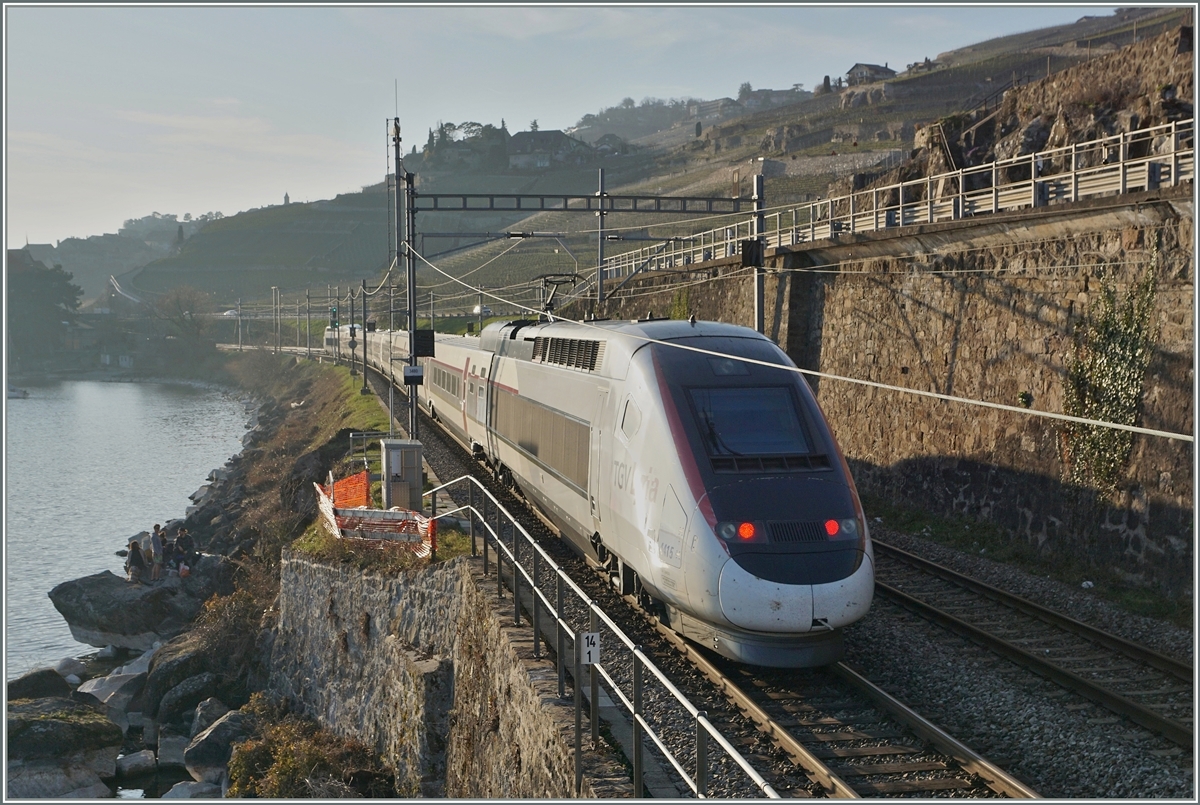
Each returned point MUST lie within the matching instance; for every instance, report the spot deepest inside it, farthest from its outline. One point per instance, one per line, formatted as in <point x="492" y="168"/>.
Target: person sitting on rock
<point x="185" y="543"/>
<point x="135" y="563"/>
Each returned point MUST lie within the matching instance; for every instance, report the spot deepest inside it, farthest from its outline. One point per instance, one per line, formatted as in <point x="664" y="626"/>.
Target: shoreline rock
<point x="104" y="610"/>
<point x="66" y="743"/>
<point x="59" y="746"/>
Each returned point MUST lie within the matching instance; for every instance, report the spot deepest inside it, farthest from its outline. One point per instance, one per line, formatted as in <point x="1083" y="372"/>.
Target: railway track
<point x="827" y="732"/>
<point x="849" y="737"/>
<point x="1150" y="689"/>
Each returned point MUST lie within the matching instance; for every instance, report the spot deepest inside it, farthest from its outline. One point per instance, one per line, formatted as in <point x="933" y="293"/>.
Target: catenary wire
<point x="870" y="383"/>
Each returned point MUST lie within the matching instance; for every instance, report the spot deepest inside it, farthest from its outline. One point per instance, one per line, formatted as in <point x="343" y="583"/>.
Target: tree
<point x="186" y="309"/>
<point x="40" y="300"/>
<point x="533" y="125"/>
<point x="627" y="103"/>
<point x="744" y="91"/>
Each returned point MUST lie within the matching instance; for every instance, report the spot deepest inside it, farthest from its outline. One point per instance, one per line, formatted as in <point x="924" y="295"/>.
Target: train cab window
<point x="749" y="421"/>
<point x="631" y="420"/>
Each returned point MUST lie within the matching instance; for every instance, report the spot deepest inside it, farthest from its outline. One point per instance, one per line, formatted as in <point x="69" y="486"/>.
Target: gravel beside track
<point x="1059" y="743"/>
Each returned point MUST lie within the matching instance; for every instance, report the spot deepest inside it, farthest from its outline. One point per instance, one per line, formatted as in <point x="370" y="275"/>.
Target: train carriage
<point x="683" y="457"/>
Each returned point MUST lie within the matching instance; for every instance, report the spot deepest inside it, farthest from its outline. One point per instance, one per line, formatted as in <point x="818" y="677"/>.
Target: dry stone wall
<point x="422" y="668"/>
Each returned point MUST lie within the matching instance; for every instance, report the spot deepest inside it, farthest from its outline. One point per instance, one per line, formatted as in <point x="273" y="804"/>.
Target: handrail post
<point x="929" y="200"/>
<point x="578" y="719"/>
<point x="637" y="724"/>
<point x="1074" y="171"/>
<point x="1033" y="180"/>
<point x="516" y="585"/>
<point x="483" y="517"/>
<point x="499" y="544"/>
<point x="594" y="706"/>
<point x="471" y="501"/>
<point x="561" y="636"/>
<point x="701" y="755"/>
<point x="1122" y="155"/>
<point x="1174" y="153"/>
<point x="537" y="626"/>
<point x="962" y="194"/>
<point x="875" y="206"/>
<point x="995" y="188"/>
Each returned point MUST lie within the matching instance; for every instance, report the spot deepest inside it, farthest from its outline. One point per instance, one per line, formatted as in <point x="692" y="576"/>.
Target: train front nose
<point x="795" y="576"/>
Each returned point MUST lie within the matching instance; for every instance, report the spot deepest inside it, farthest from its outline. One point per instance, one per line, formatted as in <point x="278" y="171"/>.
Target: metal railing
<point x="1138" y="160"/>
<point x="533" y="575"/>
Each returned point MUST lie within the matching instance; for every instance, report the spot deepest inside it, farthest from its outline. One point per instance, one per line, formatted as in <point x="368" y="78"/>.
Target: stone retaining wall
<point x="423" y="668"/>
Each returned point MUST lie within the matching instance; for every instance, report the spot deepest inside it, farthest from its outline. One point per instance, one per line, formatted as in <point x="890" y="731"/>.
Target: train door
<point x="599" y="431"/>
<point x="484" y="401"/>
<point x="672" y="528"/>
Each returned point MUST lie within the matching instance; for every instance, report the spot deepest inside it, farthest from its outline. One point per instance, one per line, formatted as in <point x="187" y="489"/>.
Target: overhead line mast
<point x="408" y="224"/>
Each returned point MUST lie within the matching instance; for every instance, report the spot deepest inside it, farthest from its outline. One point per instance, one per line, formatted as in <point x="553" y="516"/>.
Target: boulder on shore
<point x="58" y="746"/>
<point x="183" y="698"/>
<point x="207" y="756"/>
<point x="103" y="609"/>
<point x="186" y="790"/>
<point x="37" y="684"/>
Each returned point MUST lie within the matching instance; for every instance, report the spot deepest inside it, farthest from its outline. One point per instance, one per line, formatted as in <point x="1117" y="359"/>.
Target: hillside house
<point x="541" y="149"/>
<point x="710" y="110"/>
<point x="926" y="66"/>
<point x="868" y="74"/>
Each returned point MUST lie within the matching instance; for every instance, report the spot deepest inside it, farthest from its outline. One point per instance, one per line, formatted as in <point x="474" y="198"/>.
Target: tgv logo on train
<point x="623" y="478"/>
<point x="745" y="531"/>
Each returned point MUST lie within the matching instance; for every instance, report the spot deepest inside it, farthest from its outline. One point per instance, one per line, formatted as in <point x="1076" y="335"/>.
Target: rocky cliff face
<point x="1137" y="87"/>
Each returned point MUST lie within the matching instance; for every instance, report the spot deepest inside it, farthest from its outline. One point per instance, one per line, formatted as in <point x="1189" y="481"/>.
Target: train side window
<point x="631" y="420"/>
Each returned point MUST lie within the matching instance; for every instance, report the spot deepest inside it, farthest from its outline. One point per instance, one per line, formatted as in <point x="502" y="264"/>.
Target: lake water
<point x="87" y="465"/>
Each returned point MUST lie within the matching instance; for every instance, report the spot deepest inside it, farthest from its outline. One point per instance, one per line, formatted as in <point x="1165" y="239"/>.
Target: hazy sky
<point x="116" y="112"/>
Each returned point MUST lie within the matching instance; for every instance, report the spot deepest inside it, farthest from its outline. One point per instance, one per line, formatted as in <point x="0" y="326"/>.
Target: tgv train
<point x="713" y="485"/>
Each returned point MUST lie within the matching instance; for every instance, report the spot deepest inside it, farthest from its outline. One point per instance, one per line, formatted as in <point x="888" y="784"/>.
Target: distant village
<point x="536" y="149"/>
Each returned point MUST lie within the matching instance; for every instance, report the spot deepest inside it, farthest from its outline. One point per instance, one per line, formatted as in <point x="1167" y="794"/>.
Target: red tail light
<point x="746" y="530"/>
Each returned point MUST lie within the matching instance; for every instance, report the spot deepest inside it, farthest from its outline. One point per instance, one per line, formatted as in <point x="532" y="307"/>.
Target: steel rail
<point x="1134" y="651"/>
<point x="1144" y="716"/>
<point x="812" y="766"/>
<point x="997" y="779"/>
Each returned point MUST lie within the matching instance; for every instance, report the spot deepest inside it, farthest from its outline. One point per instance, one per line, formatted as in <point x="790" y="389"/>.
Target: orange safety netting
<point x="408" y="528"/>
<point x="352" y="492"/>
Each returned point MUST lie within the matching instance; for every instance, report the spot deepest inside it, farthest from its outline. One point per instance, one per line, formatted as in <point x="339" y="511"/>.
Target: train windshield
<point x="749" y="421"/>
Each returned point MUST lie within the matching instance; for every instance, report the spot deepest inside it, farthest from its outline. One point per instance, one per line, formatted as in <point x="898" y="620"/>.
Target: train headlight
<point x="744" y="531"/>
<point x="842" y="529"/>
